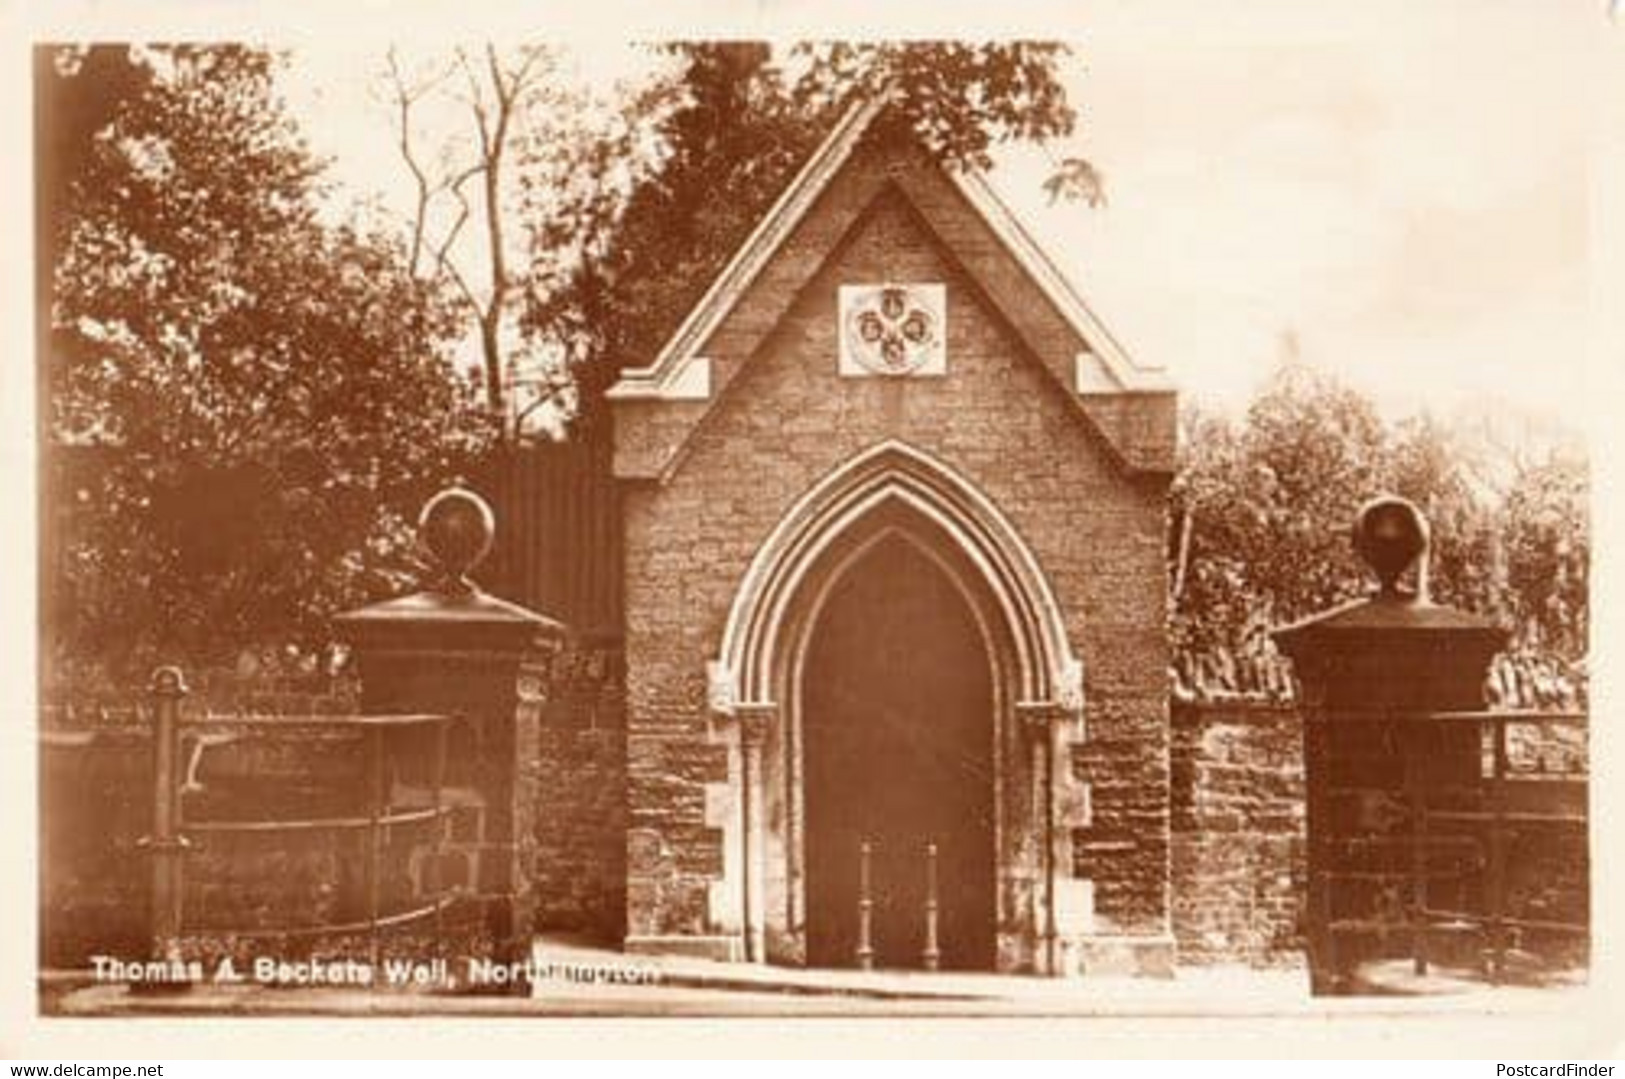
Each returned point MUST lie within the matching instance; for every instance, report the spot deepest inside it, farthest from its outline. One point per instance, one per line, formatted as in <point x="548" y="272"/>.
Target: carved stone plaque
<point x="893" y="330"/>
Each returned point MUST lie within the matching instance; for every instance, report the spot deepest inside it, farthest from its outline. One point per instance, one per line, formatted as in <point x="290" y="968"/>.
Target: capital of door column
<point x="1039" y="718"/>
<point x="754" y="721"/>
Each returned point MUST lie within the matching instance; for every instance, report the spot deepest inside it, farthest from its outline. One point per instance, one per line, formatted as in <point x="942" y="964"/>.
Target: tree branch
<point x="404" y="99"/>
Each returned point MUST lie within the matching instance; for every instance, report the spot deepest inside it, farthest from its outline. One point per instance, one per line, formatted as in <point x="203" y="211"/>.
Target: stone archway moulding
<point x="1048" y="674"/>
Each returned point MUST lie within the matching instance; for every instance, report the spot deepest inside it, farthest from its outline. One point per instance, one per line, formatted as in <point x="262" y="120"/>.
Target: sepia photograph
<point x="1084" y="519"/>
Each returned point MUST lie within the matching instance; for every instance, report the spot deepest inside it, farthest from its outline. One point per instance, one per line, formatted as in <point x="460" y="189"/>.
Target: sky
<point x="1401" y="191"/>
<point x="1404" y="192"/>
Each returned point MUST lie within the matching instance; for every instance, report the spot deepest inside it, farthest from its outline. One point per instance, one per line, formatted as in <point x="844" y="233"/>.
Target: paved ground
<point x="574" y="979"/>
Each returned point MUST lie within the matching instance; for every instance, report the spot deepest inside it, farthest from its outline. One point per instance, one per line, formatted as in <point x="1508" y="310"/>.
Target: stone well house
<point x="894" y="595"/>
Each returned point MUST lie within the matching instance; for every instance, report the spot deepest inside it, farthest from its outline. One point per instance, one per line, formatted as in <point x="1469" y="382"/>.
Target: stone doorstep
<point x="1130" y="980"/>
<point x="712" y="962"/>
<point x="1122" y="956"/>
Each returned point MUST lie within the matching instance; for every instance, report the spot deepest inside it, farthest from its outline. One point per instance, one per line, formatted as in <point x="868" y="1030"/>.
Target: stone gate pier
<point x="455" y="650"/>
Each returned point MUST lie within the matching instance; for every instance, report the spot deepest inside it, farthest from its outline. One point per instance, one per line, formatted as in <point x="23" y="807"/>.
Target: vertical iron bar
<point x="933" y="955"/>
<point x="166" y="843"/>
<point x="1331" y="975"/>
<point x="441" y="826"/>
<point x="866" y="904"/>
<point x="1415" y="745"/>
<point x="375" y="811"/>
<point x="1496" y="900"/>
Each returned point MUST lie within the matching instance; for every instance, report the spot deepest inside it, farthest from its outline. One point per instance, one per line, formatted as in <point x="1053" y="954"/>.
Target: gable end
<point x="658" y="406"/>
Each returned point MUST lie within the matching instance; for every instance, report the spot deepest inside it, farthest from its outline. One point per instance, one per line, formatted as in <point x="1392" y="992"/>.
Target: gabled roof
<point x="680" y="373"/>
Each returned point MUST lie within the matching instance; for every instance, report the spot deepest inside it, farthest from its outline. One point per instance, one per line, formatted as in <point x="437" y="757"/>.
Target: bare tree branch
<point x="554" y="388"/>
<point x="404" y="98"/>
<point x="494" y="93"/>
<point x="455" y="187"/>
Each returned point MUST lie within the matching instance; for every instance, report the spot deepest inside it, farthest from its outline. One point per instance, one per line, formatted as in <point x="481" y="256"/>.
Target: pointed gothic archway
<point x="891" y="492"/>
<point x="895" y="709"/>
<point x="895" y="472"/>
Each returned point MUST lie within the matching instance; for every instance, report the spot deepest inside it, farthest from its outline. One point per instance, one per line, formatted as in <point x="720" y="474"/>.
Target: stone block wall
<point x="1239" y="887"/>
<point x="93" y="879"/>
<point x="81" y="696"/>
<point x="579" y="858"/>
<point x="1238" y="832"/>
<point x="785" y="421"/>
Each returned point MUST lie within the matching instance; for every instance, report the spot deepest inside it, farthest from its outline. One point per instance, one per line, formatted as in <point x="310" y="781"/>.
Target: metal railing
<point x="931" y="908"/>
<point x="1453" y="840"/>
<point x="175" y="833"/>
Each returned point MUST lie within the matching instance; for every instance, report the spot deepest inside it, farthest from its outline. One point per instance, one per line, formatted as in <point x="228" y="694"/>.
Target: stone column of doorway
<point x="753" y="725"/>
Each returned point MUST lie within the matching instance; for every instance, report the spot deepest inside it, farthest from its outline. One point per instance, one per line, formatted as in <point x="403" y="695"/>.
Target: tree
<point x="1429" y="464"/>
<point x="614" y="266"/>
<point x="244" y="402"/>
<point x="1547" y="527"/>
<point x="1265" y="508"/>
<point x="623" y="205"/>
<point x="1263" y="511"/>
<point x="960" y="98"/>
<point x="509" y="101"/>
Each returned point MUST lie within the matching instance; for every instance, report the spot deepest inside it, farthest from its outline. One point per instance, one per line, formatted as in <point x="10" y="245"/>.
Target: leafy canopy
<point x="1262" y="510"/>
<point x="244" y="401"/>
<point x="615" y="265"/>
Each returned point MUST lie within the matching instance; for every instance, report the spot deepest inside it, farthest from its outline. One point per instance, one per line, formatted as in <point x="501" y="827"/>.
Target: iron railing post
<point x="442" y="826"/>
<point x="376" y="811"/>
<point x="165" y="844"/>
<point x="1416" y="743"/>
<point x="866" y="910"/>
<point x="933" y="955"/>
<point x="1496" y="900"/>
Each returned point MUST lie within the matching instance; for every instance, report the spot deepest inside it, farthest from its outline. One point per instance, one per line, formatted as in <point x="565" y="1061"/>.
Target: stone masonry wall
<point x="1238" y="832"/>
<point x="1239" y="884"/>
<point x="786" y="421"/>
<point x="579" y="865"/>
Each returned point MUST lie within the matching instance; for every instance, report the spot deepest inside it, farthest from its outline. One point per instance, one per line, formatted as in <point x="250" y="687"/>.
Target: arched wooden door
<point x="898" y="750"/>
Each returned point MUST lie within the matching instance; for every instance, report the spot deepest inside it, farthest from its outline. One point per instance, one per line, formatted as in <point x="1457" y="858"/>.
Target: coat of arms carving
<point x="893" y="330"/>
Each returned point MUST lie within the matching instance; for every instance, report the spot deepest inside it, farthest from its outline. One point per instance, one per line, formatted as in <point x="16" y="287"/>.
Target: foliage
<point x="959" y="97"/>
<point x="1427" y="464"/>
<point x="1263" y="509"/>
<point x="244" y="400"/>
<point x="701" y="155"/>
<point x="1548" y="553"/>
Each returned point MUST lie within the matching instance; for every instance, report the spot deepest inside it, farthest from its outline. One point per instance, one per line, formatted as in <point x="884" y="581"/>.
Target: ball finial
<point x="457" y="527"/>
<point x="168" y="682"/>
<point x="1390" y="534"/>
